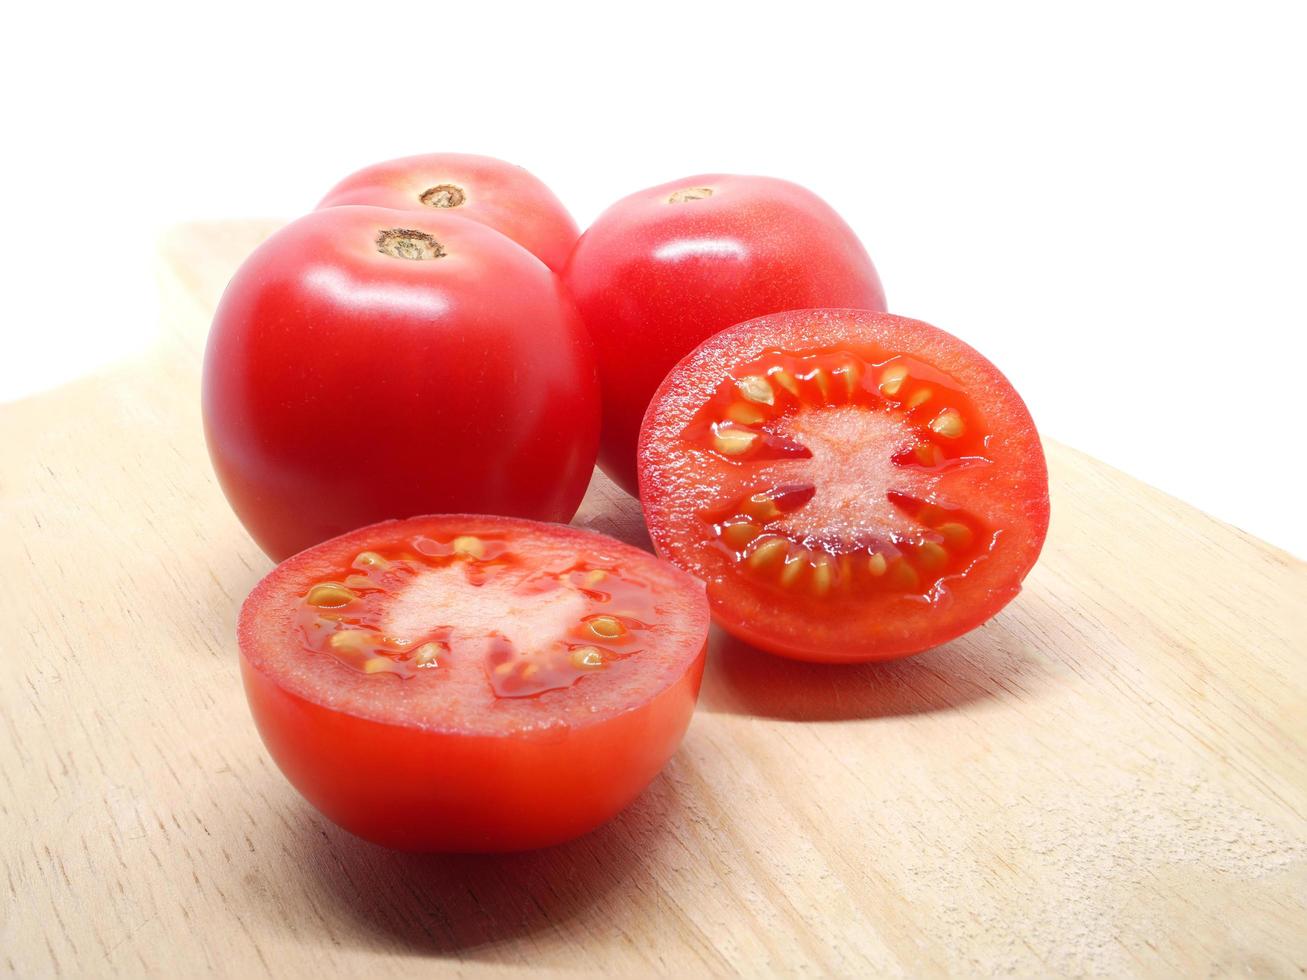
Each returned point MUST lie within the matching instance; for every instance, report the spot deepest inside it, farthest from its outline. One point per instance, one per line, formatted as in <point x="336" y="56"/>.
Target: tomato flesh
<point x="469" y="683"/>
<point x="851" y="485"/>
<point x="494" y="193"/>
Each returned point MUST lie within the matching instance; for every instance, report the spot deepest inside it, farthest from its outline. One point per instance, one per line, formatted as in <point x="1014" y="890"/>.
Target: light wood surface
<point x="1111" y="777"/>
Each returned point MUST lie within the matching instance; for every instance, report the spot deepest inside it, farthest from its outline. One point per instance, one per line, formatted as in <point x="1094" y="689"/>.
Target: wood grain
<point x="1110" y="777"/>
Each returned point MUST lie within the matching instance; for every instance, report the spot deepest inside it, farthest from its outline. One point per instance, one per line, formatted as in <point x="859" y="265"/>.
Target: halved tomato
<point x="851" y="486"/>
<point x="472" y="683"/>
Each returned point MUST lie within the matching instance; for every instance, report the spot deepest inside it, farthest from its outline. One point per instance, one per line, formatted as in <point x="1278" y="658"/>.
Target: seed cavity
<point x="408" y="243"/>
<point x="370" y="559"/>
<point x="443" y="196"/>
<point x="689" y="194"/>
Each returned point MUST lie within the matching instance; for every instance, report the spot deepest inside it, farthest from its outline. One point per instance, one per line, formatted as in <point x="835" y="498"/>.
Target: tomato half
<point x="367" y="364"/>
<point x="666" y="268"/>
<point x="498" y="194"/>
<point x="470" y="683"/>
<point x="851" y="486"/>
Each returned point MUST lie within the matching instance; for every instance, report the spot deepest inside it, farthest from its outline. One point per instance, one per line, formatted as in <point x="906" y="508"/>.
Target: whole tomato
<point x="366" y="363"/>
<point x="664" y="269"/>
<point x="501" y="195"/>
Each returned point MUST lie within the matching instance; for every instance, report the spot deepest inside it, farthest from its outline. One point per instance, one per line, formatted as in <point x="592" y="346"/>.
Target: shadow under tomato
<point x="479" y="907"/>
<point x="993" y="662"/>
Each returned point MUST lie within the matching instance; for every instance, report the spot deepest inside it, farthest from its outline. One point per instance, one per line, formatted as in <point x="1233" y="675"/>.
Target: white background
<point x="1106" y="199"/>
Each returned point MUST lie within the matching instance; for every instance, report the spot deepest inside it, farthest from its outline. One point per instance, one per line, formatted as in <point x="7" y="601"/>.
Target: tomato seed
<point x="330" y="595"/>
<point x="769" y="550"/>
<point x="948" y="424"/>
<point x="756" y="388"/>
<point x="587" y="658"/>
<point x="892" y="378"/>
<point x="734" y="442"/>
<point x="469" y="546"/>
<point x="606" y="626"/>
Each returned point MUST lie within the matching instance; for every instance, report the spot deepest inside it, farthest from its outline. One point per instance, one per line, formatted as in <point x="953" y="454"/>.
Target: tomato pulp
<point x="668" y="267"/>
<point x="501" y="195"/>
<point x="471" y="683"/>
<point x="366" y="364"/>
<point x="851" y="486"/>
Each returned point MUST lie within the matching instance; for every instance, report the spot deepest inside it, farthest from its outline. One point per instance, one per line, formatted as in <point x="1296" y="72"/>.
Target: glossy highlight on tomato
<point x="472" y="683"/>
<point x="666" y="268"/>
<point x="367" y="364"/>
<point x="851" y="486"/>
<point x="501" y="195"/>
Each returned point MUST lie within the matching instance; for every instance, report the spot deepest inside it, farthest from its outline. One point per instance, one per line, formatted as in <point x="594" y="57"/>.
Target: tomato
<point x="472" y="683"/>
<point x="666" y="268"/>
<point x="366" y="363"/>
<point x="495" y="193"/>
<point x="851" y="486"/>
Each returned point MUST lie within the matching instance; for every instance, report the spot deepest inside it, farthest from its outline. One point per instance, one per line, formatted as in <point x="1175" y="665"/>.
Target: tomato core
<point x="407" y="243"/>
<point x="443" y="196"/>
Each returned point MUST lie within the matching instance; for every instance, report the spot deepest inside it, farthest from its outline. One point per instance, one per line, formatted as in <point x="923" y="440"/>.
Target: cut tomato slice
<point x="851" y="486"/>
<point x="472" y="683"/>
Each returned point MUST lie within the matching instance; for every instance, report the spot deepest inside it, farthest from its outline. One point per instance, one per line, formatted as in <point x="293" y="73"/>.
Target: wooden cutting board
<point x="1110" y="777"/>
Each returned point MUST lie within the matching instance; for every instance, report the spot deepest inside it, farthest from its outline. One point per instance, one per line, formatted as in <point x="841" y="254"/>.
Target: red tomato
<point x="471" y="683"/>
<point x="666" y="268"/>
<point x="367" y="363"/>
<point x="495" y="193"/>
<point x="852" y="486"/>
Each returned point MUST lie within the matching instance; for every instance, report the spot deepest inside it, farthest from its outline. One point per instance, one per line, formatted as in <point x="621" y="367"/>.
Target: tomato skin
<point x="343" y="386"/>
<point x="428" y="791"/>
<point x="425" y="788"/>
<point x="653" y="278"/>
<point x="501" y="195"/>
<point x="1014" y="493"/>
